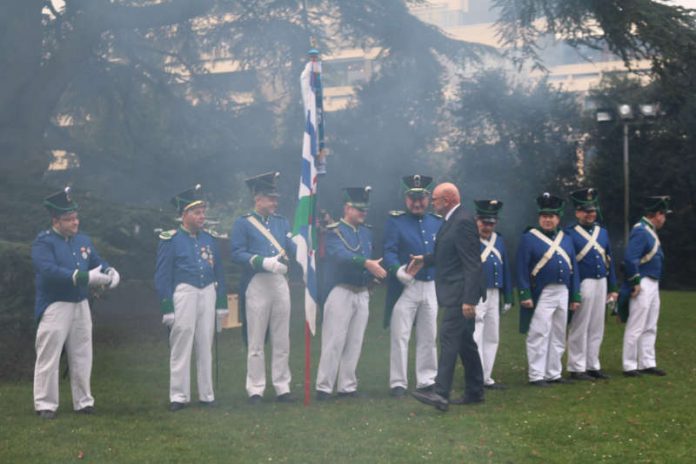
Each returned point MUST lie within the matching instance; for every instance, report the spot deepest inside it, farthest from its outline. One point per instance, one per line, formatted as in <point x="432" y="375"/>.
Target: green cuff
<point x="167" y="306"/>
<point x="635" y="280"/>
<point x="614" y="289"/>
<point x="507" y="299"/>
<point x="221" y="302"/>
<point x="392" y="269"/>
<point x="525" y="294"/>
<point x="576" y="298"/>
<point x="359" y="260"/>
<point x="82" y="278"/>
<point x="257" y="263"/>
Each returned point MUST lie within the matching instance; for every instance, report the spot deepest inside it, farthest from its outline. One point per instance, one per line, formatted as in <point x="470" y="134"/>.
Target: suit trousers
<point x="345" y="319"/>
<point x="457" y="340"/>
<point x="268" y="309"/>
<point x="194" y="324"/>
<point x="547" y="334"/>
<point x="69" y="324"/>
<point x="641" y="327"/>
<point x="417" y="303"/>
<point x="586" y="329"/>
<point x="486" y="333"/>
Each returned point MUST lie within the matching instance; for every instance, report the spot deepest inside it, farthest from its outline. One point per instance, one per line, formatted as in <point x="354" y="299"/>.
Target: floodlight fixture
<point x="625" y="111"/>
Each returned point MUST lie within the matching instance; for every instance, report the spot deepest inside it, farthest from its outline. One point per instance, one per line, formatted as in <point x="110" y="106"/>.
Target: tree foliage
<point x="631" y="29"/>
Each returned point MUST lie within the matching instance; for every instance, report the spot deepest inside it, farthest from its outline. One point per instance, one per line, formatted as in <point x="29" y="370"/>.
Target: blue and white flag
<point x="304" y="233"/>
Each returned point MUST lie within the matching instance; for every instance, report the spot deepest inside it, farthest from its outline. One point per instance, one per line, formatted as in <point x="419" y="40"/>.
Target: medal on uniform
<point x="84" y="252"/>
<point x="207" y="255"/>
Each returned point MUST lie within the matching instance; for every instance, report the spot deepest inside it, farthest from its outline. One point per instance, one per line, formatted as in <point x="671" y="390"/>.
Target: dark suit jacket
<point x="457" y="260"/>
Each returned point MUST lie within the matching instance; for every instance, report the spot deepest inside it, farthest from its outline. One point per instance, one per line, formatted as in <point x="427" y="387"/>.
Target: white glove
<point x="97" y="277"/>
<point x="168" y="320"/>
<point x="506" y="307"/>
<point x="274" y="265"/>
<point x="404" y="277"/>
<point x="220" y="315"/>
<point x="115" y="277"/>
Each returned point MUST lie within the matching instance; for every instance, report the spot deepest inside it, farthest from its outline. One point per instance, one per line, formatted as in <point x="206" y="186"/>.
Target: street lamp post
<point x="626" y="115"/>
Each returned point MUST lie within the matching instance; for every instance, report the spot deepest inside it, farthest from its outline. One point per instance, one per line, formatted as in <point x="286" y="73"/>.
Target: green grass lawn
<point x="647" y="419"/>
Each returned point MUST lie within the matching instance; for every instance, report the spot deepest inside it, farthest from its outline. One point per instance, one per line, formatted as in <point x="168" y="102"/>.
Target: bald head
<point x="445" y="197"/>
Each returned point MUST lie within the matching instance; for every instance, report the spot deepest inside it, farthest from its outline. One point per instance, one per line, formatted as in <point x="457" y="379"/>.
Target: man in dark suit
<point x="458" y="284"/>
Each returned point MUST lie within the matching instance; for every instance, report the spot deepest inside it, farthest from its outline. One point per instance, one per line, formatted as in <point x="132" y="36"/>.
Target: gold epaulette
<point x="396" y="213"/>
<point x="167" y="234"/>
<point x="333" y="225"/>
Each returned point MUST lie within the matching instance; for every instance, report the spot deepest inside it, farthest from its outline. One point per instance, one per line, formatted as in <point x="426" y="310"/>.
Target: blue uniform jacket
<point x="56" y="260"/>
<point x="404" y="235"/>
<point x="498" y="274"/>
<point x="592" y="266"/>
<point x="640" y="243"/>
<point x="556" y="271"/>
<point x="188" y="259"/>
<point x="248" y="247"/>
<point x="347" y="249"/>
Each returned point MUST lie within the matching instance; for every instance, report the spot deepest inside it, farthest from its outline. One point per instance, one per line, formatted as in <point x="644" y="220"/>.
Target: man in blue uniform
<point x="260" y="243"/>
<point x="349" y="270"/>
<point x="411" y="298"/>
<point x="547" y="279"/>
<point x="643" y="262"/>
<point x="496" y="268"/>
<point x="597" y="287"/>
<point x="190" y="282"/>
<point x="66" y="264"/>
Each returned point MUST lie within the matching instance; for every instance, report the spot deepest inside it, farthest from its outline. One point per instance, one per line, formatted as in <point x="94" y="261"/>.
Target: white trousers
<point x="70" y="325"/>
<point x="268" y="310"/>
<point x="547" y="333"/>
<point x="418" y="303"/>
<point x="587" y="327"/>
<point x="345" y="318"/>
<point x="641" y="327"/>
<point x="194" y="323"/>
<point x="486" y="332"/>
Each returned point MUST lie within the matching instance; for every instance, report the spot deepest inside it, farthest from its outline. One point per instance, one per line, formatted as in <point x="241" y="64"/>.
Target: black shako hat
<point x="487" y="210"/>
<point x="549" y="204"/>
<point x="657" y="204"/>
<point x="416" y="185"/>
<point x="189" y="198"/>
<point x="60" y="202"/>
<point x="357" y="197"/>
<point x="264" y="184"/>
<point x="585" y="199"/>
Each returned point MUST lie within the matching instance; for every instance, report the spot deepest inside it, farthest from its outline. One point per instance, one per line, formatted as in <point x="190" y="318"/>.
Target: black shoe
<point x="653" y="371"/>
<point x="539" y="383"/>
<point x="433" y="399"/>
<point x="353" y="394"/>
<point x="560" y="381"/>
<point x="285" y="398"/>
<point x="580" y="376"/>
<point x="175" y="406"/>
<point x="254" y="400"/>
<point x="467" y="400"/>
<point x="323" y="396"/>
<point x="46" y="414"/>
<point x="88" y="410"/>
<point x="495" y="386"/>
<point x="632" y="373"/>
<point x="208" y="404"/>
<point x="398" y="392"/>
<point x="429" y="388"/>
<point x="598" y="374"/>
